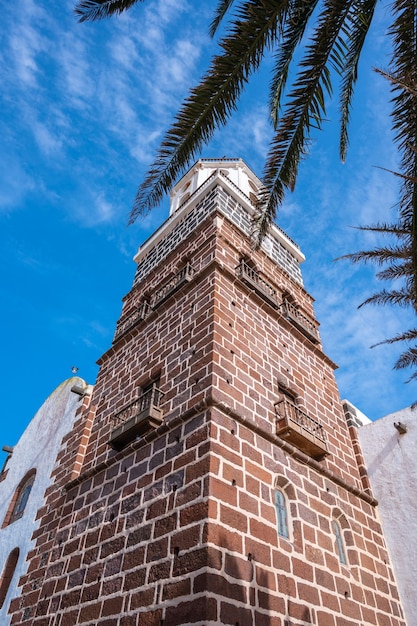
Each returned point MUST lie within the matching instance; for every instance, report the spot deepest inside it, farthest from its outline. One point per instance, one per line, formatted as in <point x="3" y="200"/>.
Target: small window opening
<point x="282" y="518"/>
<point x="20" y="498"/>
<point x="339" y="542"/>
<point x="252" y="185"/>
<point x="7" y="575"/>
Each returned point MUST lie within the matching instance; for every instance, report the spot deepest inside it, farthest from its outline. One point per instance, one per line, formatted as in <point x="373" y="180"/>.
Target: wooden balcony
<point x="299" y="429"/>
<point x="183" y="276"/>
<point x="250" y="276"/>
<point x="138" y="418"/>
<point x="125" y="324"/>
<point x="302" y="322"/>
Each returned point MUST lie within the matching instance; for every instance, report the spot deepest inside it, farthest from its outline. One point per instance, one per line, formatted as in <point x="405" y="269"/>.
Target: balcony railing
<point x="300" y="429"/>
<point x="303" y="323"/>
<point x="137" y="418"/>
<point x="131" y="320"/>
<point x="250" y="276"/>
<point x="183" y="276"/>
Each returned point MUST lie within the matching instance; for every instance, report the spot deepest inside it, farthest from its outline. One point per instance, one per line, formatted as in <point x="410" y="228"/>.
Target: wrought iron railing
<point x="300" y="429"/>
<point x="183" y="276"/>
<point x="151" y="398"/>
<point x="128" y="322"/>
<point x="286" y="409"/>
<point x="251" y="277"/>
<point x="137" y="418"/>
<point x="301" y="321"/>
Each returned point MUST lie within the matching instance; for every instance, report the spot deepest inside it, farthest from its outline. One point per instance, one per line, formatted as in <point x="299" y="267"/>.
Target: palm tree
<point x="397" y="265"/>
<point x="332" y="51"/>
<point x="277" y="26"/>
<point x="395" y="259"/>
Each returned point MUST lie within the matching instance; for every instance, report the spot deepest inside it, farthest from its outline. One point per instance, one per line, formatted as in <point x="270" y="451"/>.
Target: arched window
<point x="252" y="185"/>
<point x="340" y="546"/>
<point x="282" y="517"/>
<point x="20" y="498"/>
<point x="7" y="574"/>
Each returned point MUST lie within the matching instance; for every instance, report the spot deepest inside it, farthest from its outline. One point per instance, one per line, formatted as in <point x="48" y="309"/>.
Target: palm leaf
<point x="400" y="297"/>
<point x="396" y="271"/>
<point x="305" y="109"/>
<point x="409" y="335"/>
<point x="210" y="104"/>
<point x="398" y="229"/>
<point x="91" y="10"/>
<point x="378" y="255"/>
<point x="404" y="72"/>
<point x="295" y="24"/>
<point x="355" y="38"/>
<point x="220" y="12"/>
<point x="407" y="359"/>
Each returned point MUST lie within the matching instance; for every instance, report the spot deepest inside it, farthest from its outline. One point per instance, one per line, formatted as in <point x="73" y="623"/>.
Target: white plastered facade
<point x="37" y="449"/>
<point x="391" y="461"/>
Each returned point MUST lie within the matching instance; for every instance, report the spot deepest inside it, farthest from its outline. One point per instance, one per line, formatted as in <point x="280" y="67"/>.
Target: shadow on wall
<point x="382" y="455"/>
<point x="258" y="596"/>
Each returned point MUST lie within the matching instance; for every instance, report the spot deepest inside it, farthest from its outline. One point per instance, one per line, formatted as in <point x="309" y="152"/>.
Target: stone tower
<point x="213" y="479"/>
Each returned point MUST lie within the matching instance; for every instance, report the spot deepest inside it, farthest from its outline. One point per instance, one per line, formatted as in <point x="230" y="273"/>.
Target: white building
<point x="389" y="448"/>
<point x="24" y="478"/>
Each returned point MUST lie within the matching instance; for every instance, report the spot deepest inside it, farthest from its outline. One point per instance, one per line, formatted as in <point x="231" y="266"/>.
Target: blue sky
<point x="83" y="108"/>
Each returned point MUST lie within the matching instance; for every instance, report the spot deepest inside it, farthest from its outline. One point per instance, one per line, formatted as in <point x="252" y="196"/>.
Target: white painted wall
<point x="37" y="448"/>
<point x="391" y="460"/>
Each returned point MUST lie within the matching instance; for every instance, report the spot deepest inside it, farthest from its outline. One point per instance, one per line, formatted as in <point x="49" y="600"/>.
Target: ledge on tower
<point x="299" y="429"/>
<point x="137" y="418"/>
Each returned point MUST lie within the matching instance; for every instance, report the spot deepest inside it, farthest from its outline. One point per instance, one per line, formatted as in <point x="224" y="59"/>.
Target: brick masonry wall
<point x="182" y="530"/>
<point x="275" y="581"/>
<point x="217" y="199"/>
<point x="179" y="527"/>
<point x="123" y="536"/>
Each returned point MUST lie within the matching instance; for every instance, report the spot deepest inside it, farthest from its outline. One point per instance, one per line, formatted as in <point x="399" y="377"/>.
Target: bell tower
<point x="220" y="482"/>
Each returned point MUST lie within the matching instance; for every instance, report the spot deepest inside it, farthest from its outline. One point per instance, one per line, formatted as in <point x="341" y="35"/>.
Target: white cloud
<point x="15" y="183"/>
<point x="75" y="73"/>
<point x="144" y="147"/>
<point x="48" y="143"/>
<point x="93" y="210"/>
<point x="26" y="43"/>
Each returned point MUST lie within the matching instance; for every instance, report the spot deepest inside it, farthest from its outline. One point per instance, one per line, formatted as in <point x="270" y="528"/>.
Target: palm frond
<point x="305" y="109"/>
<point x="404" y="72"/>
<point x="91" y="10"/>
<point x="355" y="38"/>
<point x="407" y="359"/>
<point x="210" y="104"/>
<point x="395" y="81"/>
<point x="409" y="335"/>
<point x="221" y="10"/>
<point x="400" y="297"/>
<point x="406" y="177"/>
<point x="295" y="24"/>
<point x="396" y="271"/>
<point x="398" y="229"/>
<point x="379" y="255"/>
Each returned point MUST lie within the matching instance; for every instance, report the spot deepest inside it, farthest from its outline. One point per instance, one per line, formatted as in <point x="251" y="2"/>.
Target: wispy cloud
<point x="91" y="208"/>
<point x="15" y="183"/>
<point x="48" y="142"/>
<point x="26" y="43"/>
